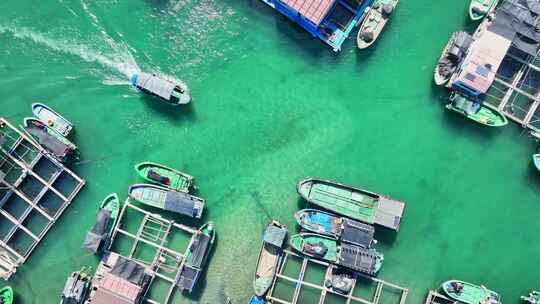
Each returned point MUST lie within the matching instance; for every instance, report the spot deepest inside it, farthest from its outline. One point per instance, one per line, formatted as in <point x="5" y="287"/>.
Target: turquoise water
<point x="272" y="105"/>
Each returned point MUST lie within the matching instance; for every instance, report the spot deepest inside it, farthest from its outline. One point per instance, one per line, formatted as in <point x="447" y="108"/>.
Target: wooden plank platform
<point x="26" y="188"/>
<point x="299" y="282"/>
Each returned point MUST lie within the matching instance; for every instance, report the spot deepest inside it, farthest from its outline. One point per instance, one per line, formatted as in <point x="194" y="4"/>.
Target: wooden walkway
<point x="35" y="189"/>
<point x="350" y="298"/>
<point x="154" y="232"/>
<point x="434" y="297"/>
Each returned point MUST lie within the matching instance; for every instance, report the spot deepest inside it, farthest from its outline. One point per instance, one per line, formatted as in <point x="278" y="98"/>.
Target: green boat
<point x="468" y="293"/>
<point x="51" y="140"/>
<point x="269" y="257"/>
<point x="355" y="203"/>
<point x="196" y="258"/>
<point x="97" y="238"/>
<point x="165" y="176"/>
<point x="6" y="295"/>
<point x="532" y="298"/>
<point x="167" y="199"/>
<point x="478" y="9"/>
<point x="476" y="111"/>
<point x="353" y="257"/>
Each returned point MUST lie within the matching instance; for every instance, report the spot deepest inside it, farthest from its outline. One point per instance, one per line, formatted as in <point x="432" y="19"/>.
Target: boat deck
<point x="329" y="20"/>
<point x="35" y="189"/>
<point x="302" y="280"/>
<point x="155" y="243"/>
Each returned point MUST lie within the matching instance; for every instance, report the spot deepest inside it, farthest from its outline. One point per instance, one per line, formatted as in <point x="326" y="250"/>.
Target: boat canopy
<point x="129" y="271"/>
<point x="275" y="236"/>
<point x="155" y="85"/>
<point x="516" y="20"/>
<point x="74" y="290"/>
<point x="481" y="64"/>
<point x="357" y="233"/>
<point x="98" y="233"/>
<point x="187" y="278"/>
<point x="47" y="140"/>
<point x="199" y="249"/>
<point x="180" y="203"/>
<point x="357" y="258"/>
<point x="389" y="213"/>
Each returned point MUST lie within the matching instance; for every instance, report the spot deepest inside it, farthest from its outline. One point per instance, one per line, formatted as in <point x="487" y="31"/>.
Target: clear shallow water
<point x="272" y="105"/>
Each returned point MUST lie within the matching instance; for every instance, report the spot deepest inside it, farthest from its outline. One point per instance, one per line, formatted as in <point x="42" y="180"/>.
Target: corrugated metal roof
<point x="156" y="85"/>
<point x="313" y="10"/>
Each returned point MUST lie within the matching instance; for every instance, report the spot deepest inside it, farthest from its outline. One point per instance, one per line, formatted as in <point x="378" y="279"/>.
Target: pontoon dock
<point x="300" y="285"/>
<point x="35" y="189"/>
<point x="329" y="20"/>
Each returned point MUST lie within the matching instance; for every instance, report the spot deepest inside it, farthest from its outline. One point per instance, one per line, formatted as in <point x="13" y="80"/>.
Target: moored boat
<point x="341" y="228"/>
<point x="170" y="92"/>
<point x="76" y="287"/>
<point x="478" y="9"/>
<point x="52" y="119"/>
<point x="196" y="258"/>
<point x="374" y="22"/>
<point x="452" y="55"/>
<point x="352" y="257"/>
<point x="98" y="237"/>
<point x="269" y="257"/>
<point x="6" y="295"/>
<point x="468" y="293"/>
<point x="51" y="140"/>
<point x="355" y="203"/>
<point x="536" y="161"/>
<point x="476" y="111"/>
<point x="532" y="298"/>
<point x="165" y="176"/>
<point x="166" y="199"/>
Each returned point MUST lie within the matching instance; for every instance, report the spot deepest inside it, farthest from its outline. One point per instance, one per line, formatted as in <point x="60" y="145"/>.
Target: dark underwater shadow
<point x="385" y="235"/>
<point x="174" y="113"/>
<point x="158" y="3"/>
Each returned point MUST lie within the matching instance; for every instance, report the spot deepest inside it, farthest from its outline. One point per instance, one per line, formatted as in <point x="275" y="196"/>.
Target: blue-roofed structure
<point x="329" y="20"/>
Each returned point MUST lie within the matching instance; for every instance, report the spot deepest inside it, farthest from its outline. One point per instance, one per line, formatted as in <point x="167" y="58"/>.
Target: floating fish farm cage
<point x="304" y="280"/>
<point x="155" y="244"/>
<point x="35" y="189"/>
<point x="329" y="20"/>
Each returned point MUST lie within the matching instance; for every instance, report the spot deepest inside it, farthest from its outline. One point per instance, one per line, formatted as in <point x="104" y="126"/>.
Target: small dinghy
<point x="164" y="89"/>
<point x="536" y="161"/>
<point x="6" y="295"/>
<point x="453" y="54"/>
<point x="168" y="200"/>
<point x="165" y="176"/>
<point x="76" y="288"/>
<point x="269" y="257"/>
<point x="352" y="257"/>
<point x="532" y="298"/>
<point x="52" y="119"/>
<point x="374" y="22"/>
<point x="98" y="237"/>
<point x="468" y="293"/>
<point x="476" y="111"/>
<point x="478" y="9"/>
<point x="51" y="140"/>
<point x="196" y="258"/>
<point x="341" y="228"/>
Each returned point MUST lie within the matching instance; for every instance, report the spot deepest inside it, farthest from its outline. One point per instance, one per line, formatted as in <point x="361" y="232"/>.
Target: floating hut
<point x="35" y="189"/>
<point x="329" y="20"/>
<point x="501" y="68"/>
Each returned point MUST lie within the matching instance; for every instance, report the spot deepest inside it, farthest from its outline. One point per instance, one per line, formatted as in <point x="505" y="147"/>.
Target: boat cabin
<point x="357" y="233"/>
<point x="172" y="93"/>
<point x="329" y="20"/>
<point x="275" y="236"/>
